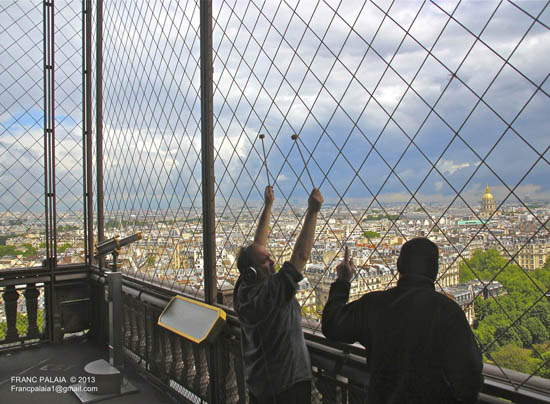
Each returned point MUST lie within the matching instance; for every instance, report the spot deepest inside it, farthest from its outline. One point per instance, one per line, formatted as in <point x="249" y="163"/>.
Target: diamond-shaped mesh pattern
<point x="152" y="139"/>
<point x="68" y="131"/>
<point x="22" y="89"/>
<point x="405" y="112"/>
<point x="21" y="131"/>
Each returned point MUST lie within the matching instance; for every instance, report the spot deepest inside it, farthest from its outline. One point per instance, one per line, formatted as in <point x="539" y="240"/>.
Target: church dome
<point x="488" y="205"/>
<point x="487" y="196"/>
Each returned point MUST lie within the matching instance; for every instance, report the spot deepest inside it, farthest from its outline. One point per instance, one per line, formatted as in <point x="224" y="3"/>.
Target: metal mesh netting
<point x="152" y="138"/>
<point x="410" y="116"/>
<point x="414" y="119"/>
<point x="68" y="132"/>
<point x="22" y="120"/>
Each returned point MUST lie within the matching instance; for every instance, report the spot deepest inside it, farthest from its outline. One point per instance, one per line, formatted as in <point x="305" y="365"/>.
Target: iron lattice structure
<point x="405" y="112"/>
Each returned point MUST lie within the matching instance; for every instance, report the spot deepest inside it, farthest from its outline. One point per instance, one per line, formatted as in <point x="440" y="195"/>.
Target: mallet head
<point x="262" y="136"/>
<point x="294" y="137"/>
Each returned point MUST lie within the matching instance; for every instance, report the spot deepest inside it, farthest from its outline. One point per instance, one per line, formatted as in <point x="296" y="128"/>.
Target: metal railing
<point x="23" y="315"/>
<point x="182" y="367"/>
<point x="38" y="306"/>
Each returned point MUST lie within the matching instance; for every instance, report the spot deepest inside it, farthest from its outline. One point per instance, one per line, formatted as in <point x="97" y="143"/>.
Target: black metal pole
<point x="208" y="195"/>
<point x="88" y="130"/>
<point x="207" y="133"/>
<point x="84" y="185"/>
<point x="99" y="124"/>
<point x="49" y="161"/>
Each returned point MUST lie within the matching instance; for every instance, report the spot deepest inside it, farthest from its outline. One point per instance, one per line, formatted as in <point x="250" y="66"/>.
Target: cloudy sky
<point x="389" y="99"/>
<point x="369" y="78"/>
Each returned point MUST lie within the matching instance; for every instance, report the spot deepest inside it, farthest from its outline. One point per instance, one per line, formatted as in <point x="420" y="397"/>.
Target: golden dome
<point x="487" y="195"/>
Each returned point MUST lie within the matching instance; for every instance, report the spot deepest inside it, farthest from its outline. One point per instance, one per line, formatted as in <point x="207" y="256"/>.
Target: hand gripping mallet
<point x="265" y="158"/>
<point x="295" y="138"/>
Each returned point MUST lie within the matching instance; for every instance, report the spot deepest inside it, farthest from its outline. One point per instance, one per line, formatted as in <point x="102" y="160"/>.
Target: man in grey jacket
<point x="276" y="360"/>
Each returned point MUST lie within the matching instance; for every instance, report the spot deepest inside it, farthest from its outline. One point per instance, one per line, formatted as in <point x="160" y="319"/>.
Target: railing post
<point x="11" y="295"/>
<point x="31" y="301"/>
<point x="189" y="369"/>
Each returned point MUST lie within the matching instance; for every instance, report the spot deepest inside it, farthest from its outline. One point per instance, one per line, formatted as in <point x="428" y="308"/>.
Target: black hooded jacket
<point x="420" y="348"/>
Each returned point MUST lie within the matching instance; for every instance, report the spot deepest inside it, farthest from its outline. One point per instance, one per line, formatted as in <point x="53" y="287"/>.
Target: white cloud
<point x="450" y="167"/>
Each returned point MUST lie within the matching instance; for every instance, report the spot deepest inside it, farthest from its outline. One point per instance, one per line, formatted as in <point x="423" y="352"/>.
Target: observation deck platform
<point x="58" y="366"/>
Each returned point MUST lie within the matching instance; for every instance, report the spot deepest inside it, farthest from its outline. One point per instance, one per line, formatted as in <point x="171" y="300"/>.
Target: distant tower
<point x="488" y="205"/>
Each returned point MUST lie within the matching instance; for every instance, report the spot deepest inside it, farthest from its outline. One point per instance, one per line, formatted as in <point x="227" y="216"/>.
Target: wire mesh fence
<point x="22" y="147"/>
<point x="414" y="119"/>
<point x="152" y="138"/>
<point x="68" y="132"/>
<point x="410" y="116"/>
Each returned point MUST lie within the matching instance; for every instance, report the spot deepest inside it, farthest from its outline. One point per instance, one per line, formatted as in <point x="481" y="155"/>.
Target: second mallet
<point x="265" y="158"/>
<point x="295" y="138"/>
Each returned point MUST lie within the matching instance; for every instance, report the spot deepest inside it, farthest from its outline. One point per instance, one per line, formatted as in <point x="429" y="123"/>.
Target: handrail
<point x="39" y="270"/>
<point x="525" y="388"/>
<point x="21" y="276"/>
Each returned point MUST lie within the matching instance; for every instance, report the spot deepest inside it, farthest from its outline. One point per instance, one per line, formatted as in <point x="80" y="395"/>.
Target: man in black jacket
<point x="277" y="366"/>
<point x="420" y="348"/>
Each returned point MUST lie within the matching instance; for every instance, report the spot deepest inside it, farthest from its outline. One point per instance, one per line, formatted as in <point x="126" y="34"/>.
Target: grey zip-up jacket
<point x="274" y="351"/>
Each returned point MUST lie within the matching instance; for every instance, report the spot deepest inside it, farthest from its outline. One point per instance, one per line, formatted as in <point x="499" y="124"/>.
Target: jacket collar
<point x="415" y="281"/>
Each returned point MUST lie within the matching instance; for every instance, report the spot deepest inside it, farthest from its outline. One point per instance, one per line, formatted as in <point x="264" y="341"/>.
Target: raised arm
<point x="341" y="319"/>
<point x="260" y="237"/>
<point x="304" y="242"/>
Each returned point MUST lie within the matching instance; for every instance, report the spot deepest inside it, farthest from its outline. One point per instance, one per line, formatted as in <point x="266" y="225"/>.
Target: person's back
<point x="411" y="336"/>
<point x="272" y="342"/>
<point x="420" y="348"/>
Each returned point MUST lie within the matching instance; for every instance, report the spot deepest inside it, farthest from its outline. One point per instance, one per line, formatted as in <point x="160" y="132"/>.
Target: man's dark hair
<point x="243" y="258"/>
<point x="419" y="256"/>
